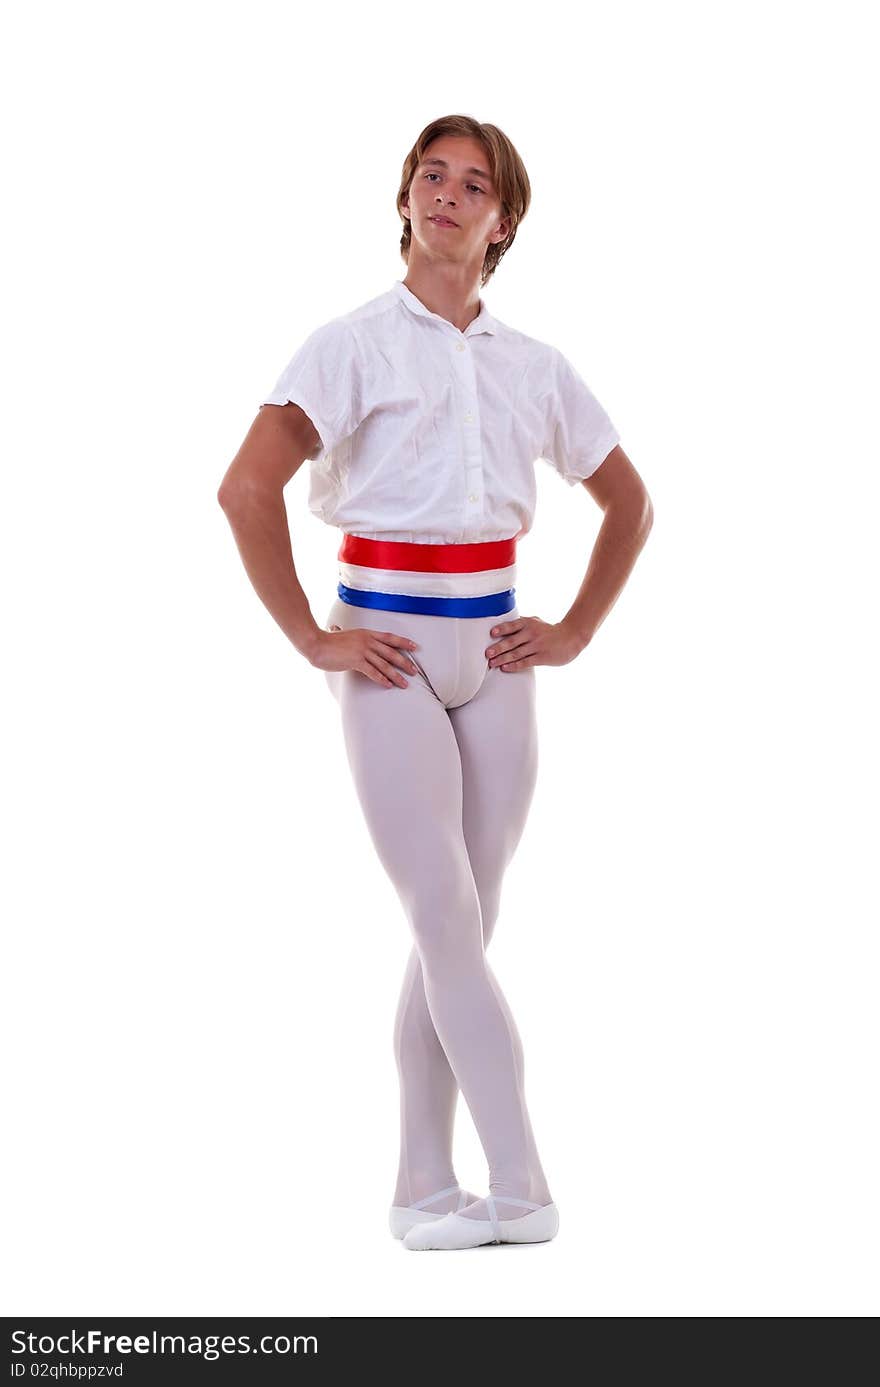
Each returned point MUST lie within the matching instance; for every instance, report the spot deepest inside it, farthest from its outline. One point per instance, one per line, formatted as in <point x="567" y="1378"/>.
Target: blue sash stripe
<point x="492" y="604"/>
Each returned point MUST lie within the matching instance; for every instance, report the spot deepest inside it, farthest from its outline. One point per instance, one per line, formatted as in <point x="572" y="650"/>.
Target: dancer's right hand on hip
<point x="380" y="655"/>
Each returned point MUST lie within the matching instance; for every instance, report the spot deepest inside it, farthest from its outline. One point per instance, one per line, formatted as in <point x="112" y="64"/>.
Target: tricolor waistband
<point x="460" y="580"/>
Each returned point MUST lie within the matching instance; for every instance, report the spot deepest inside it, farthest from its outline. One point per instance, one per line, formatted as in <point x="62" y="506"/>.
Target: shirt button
<point x="472" y="497"/>
<point x="468" y="418"/>
<point x="459" y="346"/>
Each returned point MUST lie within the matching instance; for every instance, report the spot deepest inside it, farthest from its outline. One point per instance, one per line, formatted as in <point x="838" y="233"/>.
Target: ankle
<point x="535" y="1190"/>
<point x="411" y="1188"/>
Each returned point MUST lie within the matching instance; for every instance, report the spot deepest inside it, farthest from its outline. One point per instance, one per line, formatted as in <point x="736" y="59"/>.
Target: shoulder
<point x="375" y="320"/>
<point x="551" y="366"/>
<point x="351" y="335"/>
<point x="522" y="350"/>
<point x="376" y="311"/>
<point x="518" y="343"/>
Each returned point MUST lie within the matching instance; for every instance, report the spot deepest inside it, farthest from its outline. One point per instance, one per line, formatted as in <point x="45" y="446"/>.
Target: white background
<point x="203" y="953"/>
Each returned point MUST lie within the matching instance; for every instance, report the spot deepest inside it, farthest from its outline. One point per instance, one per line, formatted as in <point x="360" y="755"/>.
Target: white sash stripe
<point x="427" y="584"/>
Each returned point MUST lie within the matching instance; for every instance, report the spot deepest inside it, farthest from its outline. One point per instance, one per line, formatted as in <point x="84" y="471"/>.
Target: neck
<point x="450" y="291"/>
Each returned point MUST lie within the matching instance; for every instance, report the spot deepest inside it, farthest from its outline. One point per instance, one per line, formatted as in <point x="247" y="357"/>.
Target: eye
<point x="470" y="185"/>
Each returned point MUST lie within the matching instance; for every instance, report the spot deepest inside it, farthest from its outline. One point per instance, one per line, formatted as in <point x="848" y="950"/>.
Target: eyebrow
<point x="481" y="173"/>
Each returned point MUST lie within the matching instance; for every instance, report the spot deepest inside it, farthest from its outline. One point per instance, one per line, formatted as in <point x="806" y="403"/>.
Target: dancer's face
<point x="453" y="180"/>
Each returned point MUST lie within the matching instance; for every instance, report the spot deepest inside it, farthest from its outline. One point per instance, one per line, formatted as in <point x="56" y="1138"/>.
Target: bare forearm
<point x="619" y="542"/>
<point x="258" y="518"/>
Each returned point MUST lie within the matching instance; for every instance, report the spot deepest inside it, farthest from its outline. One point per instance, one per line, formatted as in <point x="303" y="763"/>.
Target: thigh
<point x="406" y="768"/>
<point x="497" y="738"/>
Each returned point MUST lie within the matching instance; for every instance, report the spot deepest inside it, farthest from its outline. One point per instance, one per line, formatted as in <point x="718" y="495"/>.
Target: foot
<point x="430" y="1209"/>
<point x="532" y="1223"/>
<point x="504" y="1209"/>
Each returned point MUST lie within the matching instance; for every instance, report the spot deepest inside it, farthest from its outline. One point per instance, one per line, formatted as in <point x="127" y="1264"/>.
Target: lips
<point x="443" y="221"/>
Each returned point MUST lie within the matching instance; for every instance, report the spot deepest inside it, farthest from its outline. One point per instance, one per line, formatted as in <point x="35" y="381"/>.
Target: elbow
<point x="229" y="495"/>
<point x="636" y="519"/>
<point x="634" y="512"/>
<point x="240" y="495"/>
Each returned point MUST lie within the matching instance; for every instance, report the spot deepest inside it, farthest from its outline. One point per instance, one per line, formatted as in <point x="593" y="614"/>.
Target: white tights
<point x="445" y="771"/>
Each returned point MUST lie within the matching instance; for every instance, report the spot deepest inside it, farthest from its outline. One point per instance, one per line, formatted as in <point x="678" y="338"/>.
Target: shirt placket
<point x="469" y="430"/>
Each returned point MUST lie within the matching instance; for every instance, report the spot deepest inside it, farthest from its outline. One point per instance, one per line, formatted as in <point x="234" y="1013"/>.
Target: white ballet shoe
<point x="454" y="1232"/>
<point x="402" y="1219"/>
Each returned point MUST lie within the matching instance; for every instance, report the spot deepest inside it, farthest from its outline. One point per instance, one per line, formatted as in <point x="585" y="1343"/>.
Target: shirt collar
<point x="484" y="322"/>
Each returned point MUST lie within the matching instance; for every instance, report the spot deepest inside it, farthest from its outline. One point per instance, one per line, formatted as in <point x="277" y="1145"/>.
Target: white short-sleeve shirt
<point x="429" y="434"/>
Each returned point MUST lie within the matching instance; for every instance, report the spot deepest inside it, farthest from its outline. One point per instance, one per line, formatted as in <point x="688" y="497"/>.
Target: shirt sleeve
<point x="325" y="378"/>
<point x="579" y="432"/>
